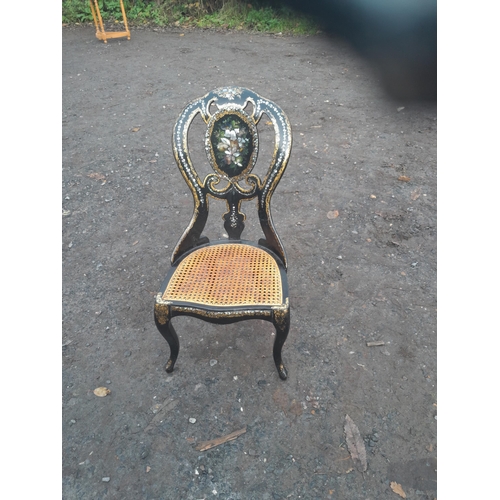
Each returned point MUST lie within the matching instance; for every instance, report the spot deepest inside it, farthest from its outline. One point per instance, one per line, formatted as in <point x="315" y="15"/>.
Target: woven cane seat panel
<point x="227" y="275"/>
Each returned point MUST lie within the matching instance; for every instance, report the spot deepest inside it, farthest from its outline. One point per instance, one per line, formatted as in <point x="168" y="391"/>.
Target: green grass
<point x="226" y="14"/>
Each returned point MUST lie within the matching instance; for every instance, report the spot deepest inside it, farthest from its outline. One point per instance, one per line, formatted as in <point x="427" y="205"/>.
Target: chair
<point x="231" y="280"/>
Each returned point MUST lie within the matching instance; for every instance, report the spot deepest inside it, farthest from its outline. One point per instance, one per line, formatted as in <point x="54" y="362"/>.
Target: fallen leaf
<point x="97" y="176"/>
<point x="333" y="214"/>
<point x="397" y="489"/>
<point x="102" y="391"/>
<point x="167" y="406"/>
<point x="404" y="178"/>
<point x="355" y="444"/>
<point x="281" y="399"/>
<point x="148" y="468"/>
<point x="415" y="194"/>
<point x="296" y="408"/>
<point x="269" y="123"/>
<point x="136" y="129"/>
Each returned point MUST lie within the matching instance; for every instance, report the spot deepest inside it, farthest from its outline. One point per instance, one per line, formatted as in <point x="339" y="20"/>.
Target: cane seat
<point x="226" y="275"/>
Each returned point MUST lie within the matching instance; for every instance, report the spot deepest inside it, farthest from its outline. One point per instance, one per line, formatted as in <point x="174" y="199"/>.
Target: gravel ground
<point x="356" y="211"/>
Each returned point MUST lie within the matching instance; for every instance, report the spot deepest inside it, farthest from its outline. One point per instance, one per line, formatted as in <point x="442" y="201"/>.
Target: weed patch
<point x="262" y="16"/>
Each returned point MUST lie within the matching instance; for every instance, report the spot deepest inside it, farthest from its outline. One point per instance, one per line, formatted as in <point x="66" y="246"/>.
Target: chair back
<point x="232" y="146"/>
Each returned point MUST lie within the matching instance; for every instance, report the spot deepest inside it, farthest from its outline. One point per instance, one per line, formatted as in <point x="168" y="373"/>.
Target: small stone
<point x="213" y="362"/>
<point x="106" y="479"/>
<point x="192" y="420"/>
<point x="127" y="354"/>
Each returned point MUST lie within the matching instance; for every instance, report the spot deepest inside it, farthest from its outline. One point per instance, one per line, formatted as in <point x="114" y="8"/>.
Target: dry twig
<point x="206" y="445"/>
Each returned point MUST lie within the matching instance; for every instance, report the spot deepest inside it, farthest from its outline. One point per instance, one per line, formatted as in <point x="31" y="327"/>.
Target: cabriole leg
<point x="168" y="333"/>
<point x="282" y="324"/>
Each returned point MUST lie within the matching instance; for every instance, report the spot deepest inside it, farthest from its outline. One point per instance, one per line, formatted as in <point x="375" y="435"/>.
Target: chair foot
<point x="282" y="371"/>
<point x="169" y="367"/>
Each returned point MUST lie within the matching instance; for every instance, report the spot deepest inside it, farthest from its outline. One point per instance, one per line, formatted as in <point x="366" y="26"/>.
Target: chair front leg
<point x="165" y="327"/>
<point x="281" y="321"/>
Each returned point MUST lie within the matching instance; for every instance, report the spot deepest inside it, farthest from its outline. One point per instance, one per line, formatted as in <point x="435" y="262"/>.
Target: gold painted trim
<point x="162" y="309"/>
<point x="280" y="314"/>
<point x="219" y="314"/>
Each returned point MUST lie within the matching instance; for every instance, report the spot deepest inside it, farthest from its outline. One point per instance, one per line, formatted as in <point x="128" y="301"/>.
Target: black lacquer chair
<point x="231" y="280"/>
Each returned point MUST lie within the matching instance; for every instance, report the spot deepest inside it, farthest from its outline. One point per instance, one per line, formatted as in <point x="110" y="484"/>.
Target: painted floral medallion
<point x="232" y="144"/>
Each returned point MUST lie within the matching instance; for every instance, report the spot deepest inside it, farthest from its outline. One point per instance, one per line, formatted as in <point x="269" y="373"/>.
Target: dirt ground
<point x="356" y="211"/>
